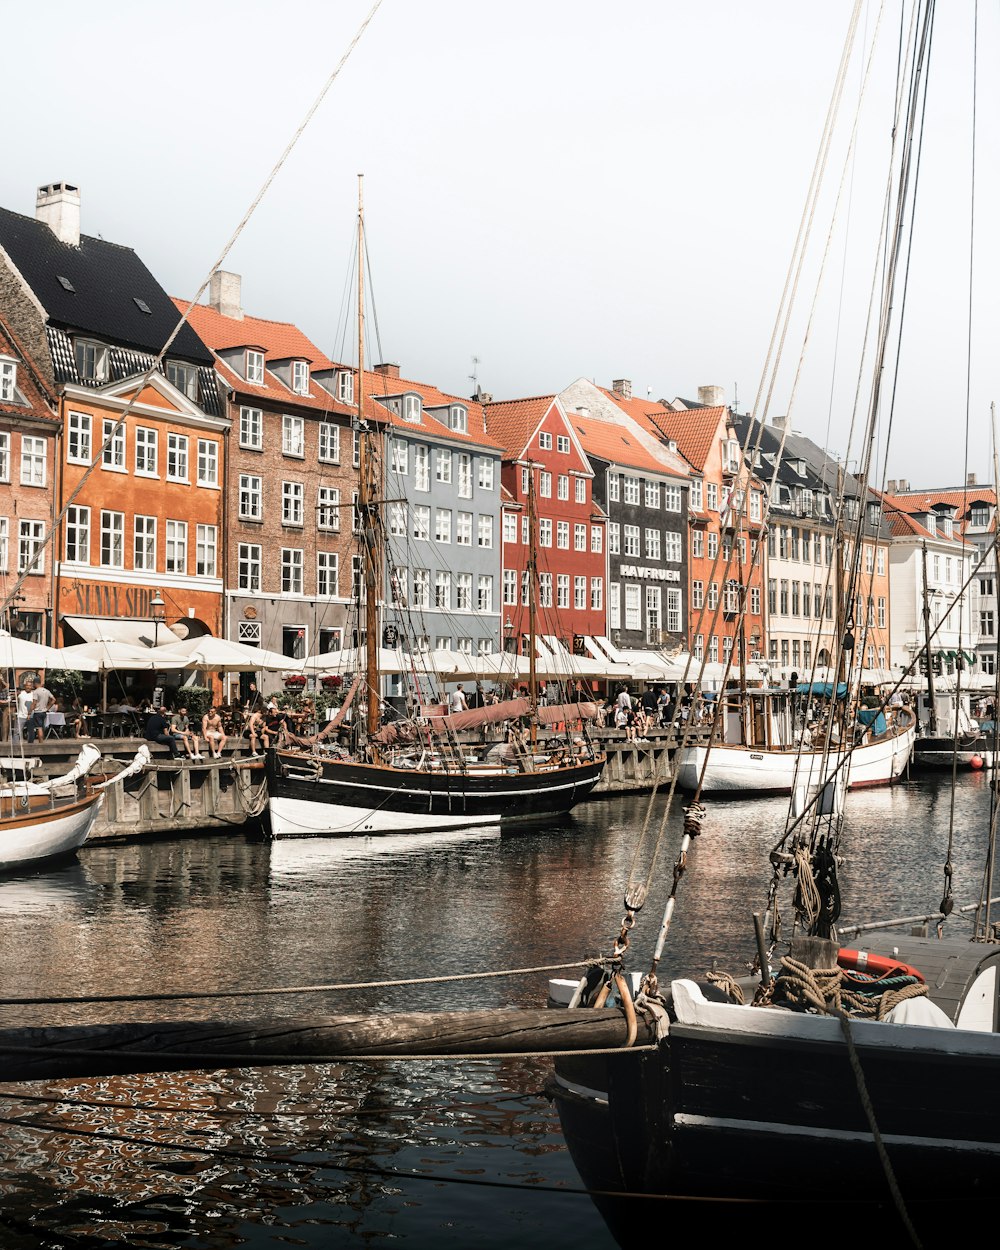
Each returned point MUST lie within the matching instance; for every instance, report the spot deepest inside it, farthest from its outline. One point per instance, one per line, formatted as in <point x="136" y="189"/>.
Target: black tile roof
<point x="104" y="281"/>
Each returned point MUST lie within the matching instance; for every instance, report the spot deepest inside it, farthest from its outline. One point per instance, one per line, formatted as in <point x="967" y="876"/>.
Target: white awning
<point x="139" y="633"/>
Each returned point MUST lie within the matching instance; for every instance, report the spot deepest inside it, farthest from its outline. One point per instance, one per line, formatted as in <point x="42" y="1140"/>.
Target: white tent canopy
<point x="209" y="654"/>
<point x="21" y="653"/>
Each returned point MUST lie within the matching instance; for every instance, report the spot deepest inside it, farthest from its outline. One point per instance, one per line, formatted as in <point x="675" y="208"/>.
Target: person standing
<point x="41" y="700"/>
<point x="458" y="700"/>
<point x="24" y="709"/>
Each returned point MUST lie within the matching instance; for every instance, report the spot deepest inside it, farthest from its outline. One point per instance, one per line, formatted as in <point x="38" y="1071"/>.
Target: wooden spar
<point x="932" y="709"/>
<point x="76" y="1051"/>
<point x="532" y="602"/>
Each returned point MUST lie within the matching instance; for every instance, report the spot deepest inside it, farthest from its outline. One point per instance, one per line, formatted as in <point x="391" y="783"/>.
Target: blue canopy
<point x="873" y="716"/>
<point x="824" y="688"/>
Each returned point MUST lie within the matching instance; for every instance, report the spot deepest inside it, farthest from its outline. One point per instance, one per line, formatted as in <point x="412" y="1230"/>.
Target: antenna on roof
<point x="474" y="375"/>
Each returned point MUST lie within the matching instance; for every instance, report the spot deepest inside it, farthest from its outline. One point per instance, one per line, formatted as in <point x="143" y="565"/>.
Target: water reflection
<point x="319" y="1156"/>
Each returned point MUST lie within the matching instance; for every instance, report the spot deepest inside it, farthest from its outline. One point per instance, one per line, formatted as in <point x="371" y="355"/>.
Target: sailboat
<point x="843" y="1074"/>
<point x="419" y="775"/>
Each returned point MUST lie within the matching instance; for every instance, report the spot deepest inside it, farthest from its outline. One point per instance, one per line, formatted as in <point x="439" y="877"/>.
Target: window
<point x="484" y="593"/>
<point x="32" y="461"/>
<point x="397" y="519"/>
<point x="251" y="498"/>
<point x="113" y="540"/>
<point x="113" y="441"/>
<point x="146" y="441"/>
<point x="525" y="528"/>
<point x="78" y="428"/>
<point x="581" y="490"/>
<point x="300" y="377"/>
<point x="596" y="539"/>
<point x="784" y="598"/>
<point x="562" y="486"/>
<point x="328" y="508"/>
<point x="510" y="586"/>
<point x="509" y="527"/>
<point x="545" y="590"/>
<point x="614" y="487"/>
<point x="986" y="624"/>
<point x="755" y="505"/>
<point x="458" y="418"/>
<point x="697" y="544"/>
<point x="579" y="538"/>
<point x="463" y="591"/>
<point x="652" y="494"/>
<point x="206" y="561"/>
<point x="248" y="566"/>
<point x="412" y="408"/>
<point x="695" y="502"/>
<point x="421" y="588"/>
<point x="755" y="601"/>
<point x="442" y="525"/>
<point x="562" y="444"/>
<point x="880" y="560"/>
<point x="464" y="475"/>
<point x="255" y="367"/>
<point x="421" y="467"/>
<point x="712" y="495"/>
<point x="77" y="535"/>
<point x="177" y="458"/>
<point x="485" y="473"/>
<point x="293" y="436"/>
<point x="795" y="598"/>
<point x="356" y="448"/>
<point x="672" y="498"/>
<point x="525" y="481"/>
<point x="400" y="457"/>
<point x="881" y="612"/>
<point x="485" y="530"/>
<point x="8" y="380"/>
<point x="713" y="545"/>
<point x="545" y="532"/>
<point x="697" y="594"/>
<point x="652" y="544"/>
<point x="545" y="484"/>
<point x="30" y="546"/>
<point x="442" y="466"/>
<point x="463" y="529"/>
<point x="291" y="570"/>
<point x="421" y="522"/>
<point x="208" y="462"/>
<point x="251" y="428"/>
<point x="562" y="535"/>
<point x="184" y="377"/>
<point x="292" y="495"/>
<point x="673" y="550"/>
<point x="633" y="608"/>
<point x="597" y="594"/>
<point x="144" y="543"/>
<point x="632" y="540"/>
<point x="562" y="590"/>
<point x="631" y="489"/>
<point x="545" y="440"/>
<point x="345" y="386"/>
<point x="580" y="593"/>
<point x="673" y="611"/>
<point x="713" y="595"/>
<point x="329" y="442"/>
<point x="327" y="574"/>
<point x="731" y="596"/>
<point x="91" y="361"/>
<point x="442" y="589"/>
<point x="614" y="538"/>
<point x="176" y="547"/>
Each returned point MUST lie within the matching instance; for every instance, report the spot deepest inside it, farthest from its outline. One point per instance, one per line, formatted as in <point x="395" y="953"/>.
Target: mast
<point x="932" y="722"/>
<point x="367" y="494"/>
<point x="532" y="588"/>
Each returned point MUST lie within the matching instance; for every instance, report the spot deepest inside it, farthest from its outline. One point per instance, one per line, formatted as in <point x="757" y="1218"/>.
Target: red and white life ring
<point x="875" y="965"/>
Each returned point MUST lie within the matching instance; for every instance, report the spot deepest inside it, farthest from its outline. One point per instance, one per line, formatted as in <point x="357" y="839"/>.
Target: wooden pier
<point x="173" y="797"/>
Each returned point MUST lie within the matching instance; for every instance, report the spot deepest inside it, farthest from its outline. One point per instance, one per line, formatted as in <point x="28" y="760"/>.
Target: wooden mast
<point x="932" y="711"/>
<point x="367" y="499"/>
<point x="532" y="597"/>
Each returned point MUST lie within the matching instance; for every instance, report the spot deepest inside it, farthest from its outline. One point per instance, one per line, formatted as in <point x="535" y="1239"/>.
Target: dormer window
<point x="459" y="418"/>
<point x="184" y="377"/>
<point x="730" y="455"/>
<point x="91" y="360"/>
<point x="345" y="386"/>
<point x="946" y="526"/>
<point x="930" y="523"/>
<point x="255" y="367"/>
<point x="8" y="379"/>
<point x="411" y="408"/>
<point x="300" y="377"/>
<point x="979" y="515"/>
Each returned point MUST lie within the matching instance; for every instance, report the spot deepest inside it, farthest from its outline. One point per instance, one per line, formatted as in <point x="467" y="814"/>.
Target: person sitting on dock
<point x="158" y="730"/>
<point x="213" y="732"/>
<point x="180" y="728"/>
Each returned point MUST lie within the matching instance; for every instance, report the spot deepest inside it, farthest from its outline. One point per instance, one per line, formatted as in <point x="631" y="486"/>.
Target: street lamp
<point x="159" y="617"/>
<point x="508" y="632"/>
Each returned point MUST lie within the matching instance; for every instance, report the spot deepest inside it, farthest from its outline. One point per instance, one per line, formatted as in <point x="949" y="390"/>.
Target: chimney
<point x="890" y="486"/>
<point x="970" y="479"/>
<point x="622" y="387"/>
<point x="387" y="370"/>
<point x="904" y="485"/>
<point x="711" y="396"/>
<point x="58" y="206"/>
<point x="224" y="292"/>
<point x="582" y="410"/>
<point x="780" y="423"/>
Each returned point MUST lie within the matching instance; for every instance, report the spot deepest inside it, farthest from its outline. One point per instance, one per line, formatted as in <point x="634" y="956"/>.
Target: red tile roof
<point x="694" y="430"/>
<point x="898" y="510"/>
<point x="512" y="422"/>
<point x="619" y="443"/>
<point x="962" y="499"/>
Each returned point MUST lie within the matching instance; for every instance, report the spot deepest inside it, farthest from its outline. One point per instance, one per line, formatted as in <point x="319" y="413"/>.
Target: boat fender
<point x="976" y="762"/>
<point x="875" y="965"/>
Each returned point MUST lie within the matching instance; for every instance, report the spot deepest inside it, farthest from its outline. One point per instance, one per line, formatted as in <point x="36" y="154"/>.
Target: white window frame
<point x="248" y="567"/>
<point x="300" y="377"/>
<point x="252" y="428"/>
<point x="77" y="535"/>
<point x="293" y="504"/>
<point x="34" y="460"/>
<point x="31" y="541"/>
<point x="327" y="574"/>
<point x="463" y="529"/>
<point x="144" y="543"/>
<point x="485" y="473"/>
<point x="147" y="451"/>
<point x="176" y="546"/>
<point x="329" y="442"/>
<point x="177" y="457"/>
<point x="291" y="570"/>
<point x="112" y="539"/>
<point x="208" y="462"/>
<point x="255" y="367"/>
<point x="79" y="433"/>
<point x="251" y="501"/>
<point x="293" y="436"/>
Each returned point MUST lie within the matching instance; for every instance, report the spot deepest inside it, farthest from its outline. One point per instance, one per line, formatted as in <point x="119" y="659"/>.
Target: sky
<point x="553" y="189"/>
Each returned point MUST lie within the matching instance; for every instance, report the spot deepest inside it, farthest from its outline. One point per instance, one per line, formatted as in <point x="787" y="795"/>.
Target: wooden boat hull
<point x="309" y="796"/>
<point x="49" y="832"/>
<point x="738" y="770"/>
<point x="746" y="1105"/>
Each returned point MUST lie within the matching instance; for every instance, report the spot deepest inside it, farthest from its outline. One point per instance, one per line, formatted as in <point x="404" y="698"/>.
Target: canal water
<point x="435" y="1154"/>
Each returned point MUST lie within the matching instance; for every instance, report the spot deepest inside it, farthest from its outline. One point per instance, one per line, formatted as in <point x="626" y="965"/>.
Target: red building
<point x="543" y="453"/>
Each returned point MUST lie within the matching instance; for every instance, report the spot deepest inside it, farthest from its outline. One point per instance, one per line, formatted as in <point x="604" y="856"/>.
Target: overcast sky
<point x="560" y="188"/>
